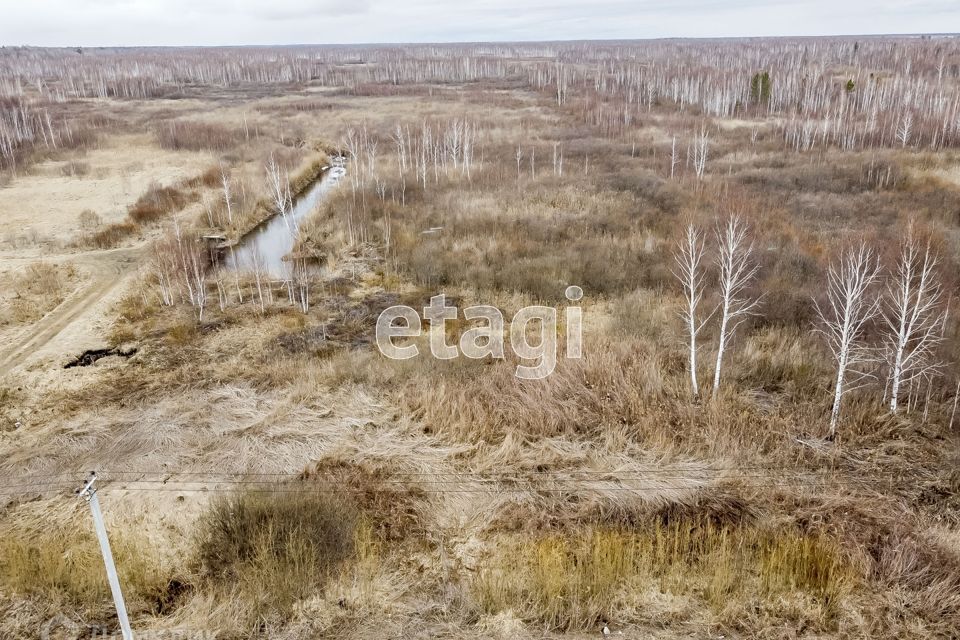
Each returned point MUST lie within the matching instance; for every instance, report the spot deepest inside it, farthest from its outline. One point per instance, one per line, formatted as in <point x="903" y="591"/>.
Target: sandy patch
<point x="47" y="204"/>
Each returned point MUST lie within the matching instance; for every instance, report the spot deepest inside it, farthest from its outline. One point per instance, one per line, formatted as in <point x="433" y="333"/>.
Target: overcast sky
<point x="221" y="22"/>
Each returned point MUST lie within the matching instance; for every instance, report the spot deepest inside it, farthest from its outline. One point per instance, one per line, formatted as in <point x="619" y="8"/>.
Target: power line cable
<point x="530" y="488"/>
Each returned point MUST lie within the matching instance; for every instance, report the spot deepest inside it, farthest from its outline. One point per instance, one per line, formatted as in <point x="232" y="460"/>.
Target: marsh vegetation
<point x="759" y="440"/>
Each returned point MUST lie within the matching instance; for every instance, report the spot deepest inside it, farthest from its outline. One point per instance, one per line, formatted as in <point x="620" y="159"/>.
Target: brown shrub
<point x="277" y="545"/>
<point x="210" y="178"/>
<point x="389" y="502"/>
<point x="197" y="136"/>
<point x="303" y="105"/>
<point x="156" y="202"/>
<point x="110" y="236"/>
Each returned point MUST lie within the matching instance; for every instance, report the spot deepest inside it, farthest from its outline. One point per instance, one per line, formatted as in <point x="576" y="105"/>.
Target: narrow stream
<point x="270" y="242"/>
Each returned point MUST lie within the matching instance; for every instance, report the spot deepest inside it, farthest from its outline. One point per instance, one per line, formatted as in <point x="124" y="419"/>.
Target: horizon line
<point x="944" y="34"/>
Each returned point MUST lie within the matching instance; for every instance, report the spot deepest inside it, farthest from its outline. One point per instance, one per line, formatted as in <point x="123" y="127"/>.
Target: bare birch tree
<point x="701" y="146"/>
<point x="192" y="268"/>
<point x="904" y="129"/>
<point x="179" y="263"/>
<point x="690" y="272"/>
<point x="850" y="306"/>
<point x="225" y="182"/>
<point x="913" y="314"/>
<point x="279" y="185"/>
<point x="301" y="277"/>
<point x="161" y="265"/>
<point x="236" y="274"/>
<point x="196" y="274"/>
<point x="737" y="269"/>
<point x="674" y="158"/>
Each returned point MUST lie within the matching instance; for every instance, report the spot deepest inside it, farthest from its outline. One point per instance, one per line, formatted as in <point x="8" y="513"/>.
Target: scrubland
<point x="266" y="472"/>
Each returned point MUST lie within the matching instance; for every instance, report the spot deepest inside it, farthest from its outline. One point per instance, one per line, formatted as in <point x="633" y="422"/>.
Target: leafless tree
<point x="689" y="271"/>
<point x="561" y="83"/>
<point x="850" y="305"/>
<point x="162" y="268"/>
<point x="179" y="263"/>
<point x="196" y="272"/>
<point x="257" y="267"/>
<point x="466" y="151"/>
<point x="225" y="182"/>
<point x="606" y="85"/>
<point x="953" y="413"/>
<point x="737" y="269"/>
<point x="301" y="277"/>
<point x="674" y="158"/>
<point x="701" y="146"/>
<point x="192" y="268"/>
<point x="381" y="188"/>
<point x="279" y="185"/>
<point x="913" y="314"/>
<point x="904" y="129"/>
<point x="402" y="145"/>
<point x="236" y="274"/>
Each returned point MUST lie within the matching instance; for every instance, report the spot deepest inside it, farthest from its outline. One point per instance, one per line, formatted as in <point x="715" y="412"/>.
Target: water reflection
<point x="266" y="246"/>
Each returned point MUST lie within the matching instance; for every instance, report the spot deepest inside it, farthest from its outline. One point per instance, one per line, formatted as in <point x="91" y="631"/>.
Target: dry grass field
<point x="265" y="472"/>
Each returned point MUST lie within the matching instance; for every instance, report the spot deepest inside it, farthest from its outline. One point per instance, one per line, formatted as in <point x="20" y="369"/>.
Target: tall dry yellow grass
<point x="576" y="581"/>
<point x="63" y="565"/>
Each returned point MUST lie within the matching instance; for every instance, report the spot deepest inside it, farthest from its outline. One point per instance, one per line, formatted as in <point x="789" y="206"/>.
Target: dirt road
<point x="79" y="312"/>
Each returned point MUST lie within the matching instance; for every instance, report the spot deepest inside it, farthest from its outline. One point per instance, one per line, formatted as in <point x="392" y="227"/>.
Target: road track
<point x="105" y="269"/>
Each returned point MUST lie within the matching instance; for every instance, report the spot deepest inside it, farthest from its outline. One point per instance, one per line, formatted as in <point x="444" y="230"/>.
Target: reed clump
<point x="274" y="548"/>
<point x="577" y="580"/>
